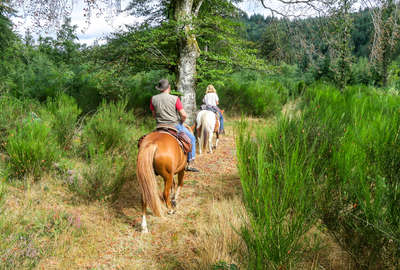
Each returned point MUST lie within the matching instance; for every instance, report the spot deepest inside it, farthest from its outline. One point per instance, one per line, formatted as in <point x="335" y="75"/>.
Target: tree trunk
<point x="188" y="54"/>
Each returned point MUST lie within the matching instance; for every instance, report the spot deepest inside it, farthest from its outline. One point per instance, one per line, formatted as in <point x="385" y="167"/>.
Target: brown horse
<point x="160" y="154"/>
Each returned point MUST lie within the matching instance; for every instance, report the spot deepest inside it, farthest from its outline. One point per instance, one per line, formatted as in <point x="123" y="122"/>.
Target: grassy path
<point x="196" y="237"/>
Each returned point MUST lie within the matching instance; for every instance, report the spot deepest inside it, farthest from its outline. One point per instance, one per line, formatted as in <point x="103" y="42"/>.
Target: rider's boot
<point x="190" y="167"/>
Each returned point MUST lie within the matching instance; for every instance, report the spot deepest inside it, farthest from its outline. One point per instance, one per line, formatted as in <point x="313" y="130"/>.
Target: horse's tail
<point x="147" y="178"/>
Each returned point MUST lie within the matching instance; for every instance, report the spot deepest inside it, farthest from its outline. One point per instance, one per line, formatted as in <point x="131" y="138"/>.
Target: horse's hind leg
<point x="200" y="139"/>
<point x="144" y="223"/>
<point x="210" y="144"/>
<point x="168" y="180"/>
<point x="180" y="184"/>
<point x="217" y="139"/>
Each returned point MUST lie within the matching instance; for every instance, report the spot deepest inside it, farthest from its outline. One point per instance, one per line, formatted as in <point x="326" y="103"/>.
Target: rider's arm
<point x="179" y="108"/>
<point x="183" y="115"/>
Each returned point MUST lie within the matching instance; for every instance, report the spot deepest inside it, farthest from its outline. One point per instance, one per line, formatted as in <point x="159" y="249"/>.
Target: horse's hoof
<point x="171" y="212"/>
<point x="173" y="202"/>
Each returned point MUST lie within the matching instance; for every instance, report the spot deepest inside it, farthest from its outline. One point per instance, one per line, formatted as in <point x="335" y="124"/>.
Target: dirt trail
<point x="185" y="240"/>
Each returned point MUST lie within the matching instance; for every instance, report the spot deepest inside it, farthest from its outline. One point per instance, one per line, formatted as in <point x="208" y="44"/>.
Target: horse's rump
<point x="206" y="121"/>
<point x="160" y="154"/>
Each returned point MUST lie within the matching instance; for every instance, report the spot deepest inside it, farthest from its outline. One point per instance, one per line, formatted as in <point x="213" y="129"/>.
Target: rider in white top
<point x="211" y="99"/>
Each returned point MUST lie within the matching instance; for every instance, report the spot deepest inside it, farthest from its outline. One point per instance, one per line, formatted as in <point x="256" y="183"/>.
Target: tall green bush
<point x="102" y="179"/>
<point x="31" y="149"/>
<point x="64" y="113"/>
<point x="345" y="151"/>
<point x="277" y="179"/>
<point x="109" y="128"/>
<point x="141" y="87"/>
<point x="12" y="113"/>
<point x="255" y="97"/>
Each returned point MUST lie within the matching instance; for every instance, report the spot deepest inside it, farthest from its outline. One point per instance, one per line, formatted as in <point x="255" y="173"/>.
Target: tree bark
<point x="188" y="53"/>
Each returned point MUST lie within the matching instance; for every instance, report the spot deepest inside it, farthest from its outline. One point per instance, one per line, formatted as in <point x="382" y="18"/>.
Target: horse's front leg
<point x="168" y="180"/>
<point x="180" y="184"/>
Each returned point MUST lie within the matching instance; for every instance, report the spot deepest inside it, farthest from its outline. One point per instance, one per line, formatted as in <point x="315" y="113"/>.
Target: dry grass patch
<point x="218" y="240"/>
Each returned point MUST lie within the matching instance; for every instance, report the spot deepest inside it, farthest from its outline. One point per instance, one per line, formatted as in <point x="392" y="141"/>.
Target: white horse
<point x="207" y="123"/>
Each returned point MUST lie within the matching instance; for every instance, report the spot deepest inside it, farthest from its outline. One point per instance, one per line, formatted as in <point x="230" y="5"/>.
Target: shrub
<point x="259" y="98"/>
<point x="361" y="72"/>
<point x="277" y="180"/>
<point x="31" y="149"/>
<point x="345" y="147"/>
<point x="64" y="114"/>
<point x="141" y="87"/>
<point x="109" y="128"/>
<point x="357" y="197"/>
<point x="84" y="87"/>
<point x="102" y="179"/>
<point x="39" y="79"/>
<point x="12" y="112"/>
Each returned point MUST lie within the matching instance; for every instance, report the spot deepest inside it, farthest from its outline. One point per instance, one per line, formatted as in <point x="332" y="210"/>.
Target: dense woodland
<point x="332" y="165"/>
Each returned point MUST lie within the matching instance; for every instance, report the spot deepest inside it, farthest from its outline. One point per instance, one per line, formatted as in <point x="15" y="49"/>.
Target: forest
<point x="307" y="175"/>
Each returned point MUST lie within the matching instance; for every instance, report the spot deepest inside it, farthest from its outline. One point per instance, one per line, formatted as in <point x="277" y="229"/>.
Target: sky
<point x="101" y="26"/>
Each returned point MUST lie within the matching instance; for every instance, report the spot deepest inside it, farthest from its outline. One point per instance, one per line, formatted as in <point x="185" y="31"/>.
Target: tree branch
<point x="197" y="9"/>
<point x="309" y="3"/>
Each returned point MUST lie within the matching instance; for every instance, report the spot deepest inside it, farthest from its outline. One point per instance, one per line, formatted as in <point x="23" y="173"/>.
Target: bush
<point x="39" y="78"/>
<point x="109" y="128"/>
<point x="64" y="113"/>
<point x="102" y="179"/>
<point x="31" y="149"/>
<point x="277" y="180"/>
<point x="259" y="98"/>
<point x="361" y="72"/>
<point x="141" y="87"/>
<point x="84" y="87"/>
<point x="12" y="113"/>
<point x="345" y="147"/>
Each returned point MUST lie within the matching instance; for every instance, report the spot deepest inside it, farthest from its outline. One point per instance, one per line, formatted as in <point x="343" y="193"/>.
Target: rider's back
<point x="165" y="109"/>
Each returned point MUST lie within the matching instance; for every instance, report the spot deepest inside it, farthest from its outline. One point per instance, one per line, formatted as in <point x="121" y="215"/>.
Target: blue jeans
<point x="221" y="122"/>
<point x="192" y="154"/>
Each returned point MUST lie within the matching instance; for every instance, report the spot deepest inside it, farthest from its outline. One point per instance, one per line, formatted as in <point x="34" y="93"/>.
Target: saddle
<point x="208" y="108"/>
<point x="182" y="139"/>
